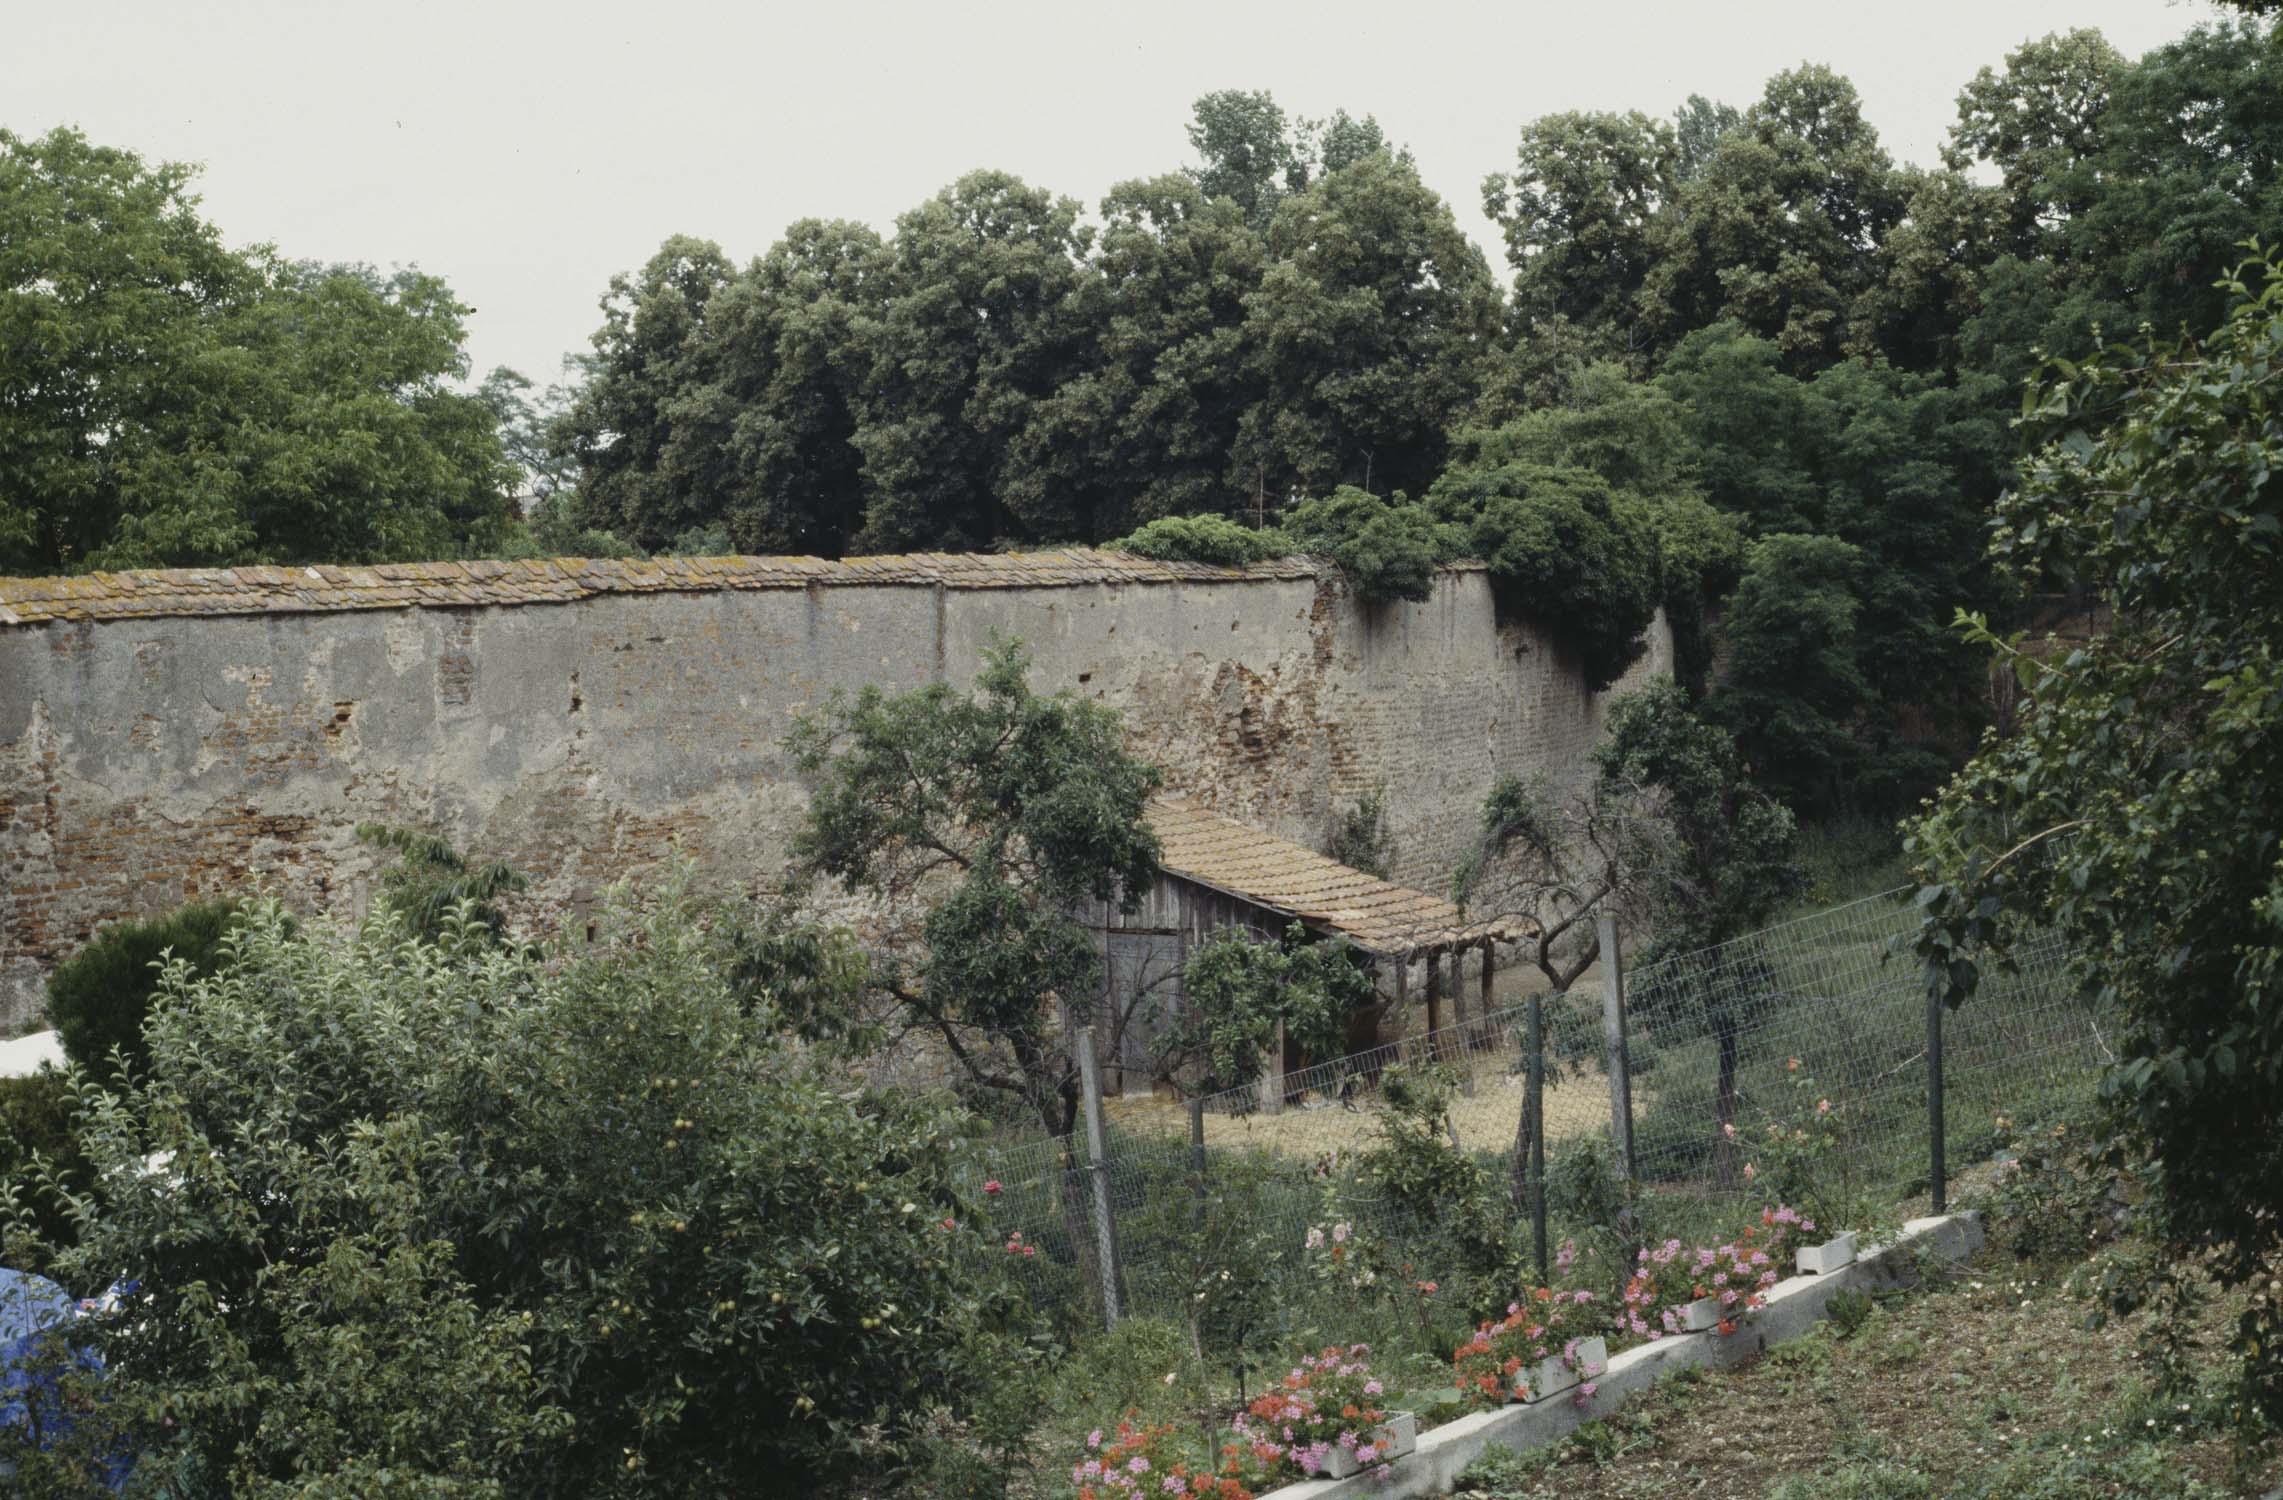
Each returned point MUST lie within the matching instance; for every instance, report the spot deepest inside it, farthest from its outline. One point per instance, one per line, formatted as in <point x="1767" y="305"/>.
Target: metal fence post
<point x="1613" y="1041"/>
<point x="1105" y="1224"/>
<point x="1197" y="1139"/>
<point x="1537" y="1087"/>
<point x="1938" y="1167"/>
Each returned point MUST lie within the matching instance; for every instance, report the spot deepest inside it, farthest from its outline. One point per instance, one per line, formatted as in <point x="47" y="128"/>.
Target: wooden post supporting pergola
<point x="1435" y="1001"/>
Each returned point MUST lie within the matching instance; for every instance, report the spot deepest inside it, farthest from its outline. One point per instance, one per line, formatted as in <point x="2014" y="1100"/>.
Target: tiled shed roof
<point x="1201" y="846"/>
<point x="301" y="590"/>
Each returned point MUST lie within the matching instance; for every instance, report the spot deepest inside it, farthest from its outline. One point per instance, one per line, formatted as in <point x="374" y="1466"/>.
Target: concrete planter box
<point x="1551" y="1377"/>
<point x="1703" y="1313"/>
<point x="1794" y="1306"/>
<point x="1823" y="1259"/>
<point x="1400" y="1432"/>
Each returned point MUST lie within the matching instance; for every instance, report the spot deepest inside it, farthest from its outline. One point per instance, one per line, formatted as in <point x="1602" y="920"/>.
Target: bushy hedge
<point x="98" y="998"/>
<point x="1562" y="551"/>
<point x="491" y="1222"/>
<point x="1390" y="548"/>
<point x="1204" y="539"/>
<point x="1590" y="563"/>
<point x="35" y="1126"/>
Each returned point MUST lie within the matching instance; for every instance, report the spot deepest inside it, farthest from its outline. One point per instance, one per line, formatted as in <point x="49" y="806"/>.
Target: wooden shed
<point x="1215" y="872"/>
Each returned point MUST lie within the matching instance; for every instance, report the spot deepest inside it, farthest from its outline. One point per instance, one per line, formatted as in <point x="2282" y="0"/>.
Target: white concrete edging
<point x="1794" y="1306"/>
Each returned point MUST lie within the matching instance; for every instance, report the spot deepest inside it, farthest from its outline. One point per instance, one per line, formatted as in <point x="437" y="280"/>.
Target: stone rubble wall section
<point x="171" y="736"/>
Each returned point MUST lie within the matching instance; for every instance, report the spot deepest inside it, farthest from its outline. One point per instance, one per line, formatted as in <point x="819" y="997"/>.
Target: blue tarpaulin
<point x="33" y="1311"/>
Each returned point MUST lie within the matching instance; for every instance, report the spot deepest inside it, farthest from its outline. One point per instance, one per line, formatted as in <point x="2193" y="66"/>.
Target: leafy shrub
<point x="1389" y="548"/>
<point x="1203" y="539"/>
<point x="2050" y="1198"/>
<point x="1501" y="1473"/>
<point x="99" y="998"/>
<point x="1236" y="989"/>
<point x="431" y="881"/>
<point x="1359" y="839"/>
<point x="1585" y="1185"/>
<point x="36" y="1123"/>
<point x="1224" y="1254"/>
<point x="1123" y="1369"/>
<point x="1700" y="552"/>
<point x="643" y="1241"/>
<point x="701" y="541"/>
<point x="1850" y="1308"/>
<point x="974" y="1444"/>
<point x="1563" y="551"/>
<point x="1432" y="1195"/>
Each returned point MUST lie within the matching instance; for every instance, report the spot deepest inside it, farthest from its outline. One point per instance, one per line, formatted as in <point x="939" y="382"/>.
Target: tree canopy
<point x="446" y="1218"/>
<point x="169" y="401"/>
<point x="1748" y="321"/>
<point x="984" y="822"/>
<point x="2133" y="809"/>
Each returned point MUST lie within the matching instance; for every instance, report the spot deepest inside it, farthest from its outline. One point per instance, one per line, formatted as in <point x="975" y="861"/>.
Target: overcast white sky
<point x="526" y="151"/>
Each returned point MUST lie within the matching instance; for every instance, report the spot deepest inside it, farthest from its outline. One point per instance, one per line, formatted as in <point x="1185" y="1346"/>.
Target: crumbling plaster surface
<point x="145" y="761"/>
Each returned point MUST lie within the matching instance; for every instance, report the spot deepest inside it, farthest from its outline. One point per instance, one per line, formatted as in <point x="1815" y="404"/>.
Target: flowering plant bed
<point x="1547" y="1343"/>
<point x="1390" y="1440"/>
<point x="1524" y="1426"/>
<point x="1146" y="1463"/>
<point x="1326" y="1415"/>
<point x="1679" y="1290"/>
<point x="1577" y="1364"/>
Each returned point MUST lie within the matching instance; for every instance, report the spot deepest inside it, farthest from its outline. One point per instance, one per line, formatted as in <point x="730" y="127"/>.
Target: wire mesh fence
<point x="1789" y="1062"/>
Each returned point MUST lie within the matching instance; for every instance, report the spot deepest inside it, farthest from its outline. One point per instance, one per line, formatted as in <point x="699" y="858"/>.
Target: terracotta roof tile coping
<point x="1377" y="915"/>
<point x="306" y="589"/>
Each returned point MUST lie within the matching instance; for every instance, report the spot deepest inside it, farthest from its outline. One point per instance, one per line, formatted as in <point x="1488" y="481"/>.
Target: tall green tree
<point x="1750" y="424"/>
<point x="1736" y="864"/>
<point x="625" y="427"/>
<point x="984" y="821"/>
<point x="1794" y="684"/>
<point x="1901" y="465"/>
<point x="788" y="368"/>
<point x="1698" y="126"/>
<point x="168" y="401"/>
<point x="1368" y="330"/>
<point x="1908" y="466"/>
<point x="1147" y="427"/>
<point x="1243" y="141"/>
<point x="1253" y="154"/>
<point x="2127" y="186"/>
<point x="986" y="308"/>
<point x="2039" y="124"/>
<point x="2133" y="811"/>
<point x="1576" y="213"/>
<point x="1781" y="230"/>
<point x="1933" y="273"/>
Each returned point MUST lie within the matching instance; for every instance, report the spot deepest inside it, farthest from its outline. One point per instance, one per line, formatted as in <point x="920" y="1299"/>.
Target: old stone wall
<point x="164" y="736"/>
